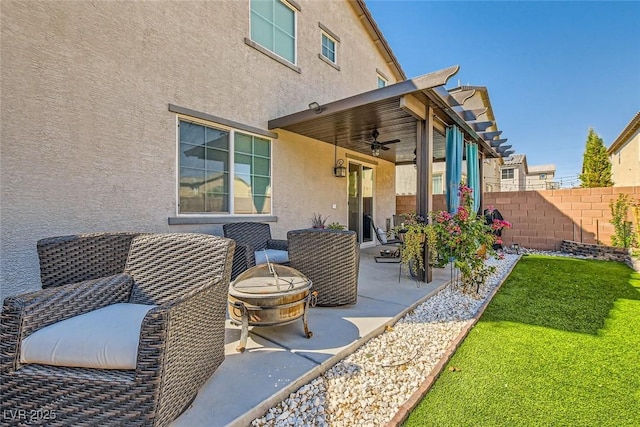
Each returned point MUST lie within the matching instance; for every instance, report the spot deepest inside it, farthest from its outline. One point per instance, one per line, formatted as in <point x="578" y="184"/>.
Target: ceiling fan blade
<point x="393" y="141"/>
<point x="382" y="147"/>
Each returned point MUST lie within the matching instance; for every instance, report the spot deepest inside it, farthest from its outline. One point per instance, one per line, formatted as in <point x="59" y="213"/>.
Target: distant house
<point x="625" y="155"/>
<point x="516" y="175"/>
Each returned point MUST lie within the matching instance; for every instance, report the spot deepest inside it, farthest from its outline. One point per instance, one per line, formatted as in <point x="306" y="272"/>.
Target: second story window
<point x="273" y="26"/>
<point x="382" y="82"/>
<point x="543" y="176"/>
<point x="507" y="173"/>
<point x="329" y="48"/>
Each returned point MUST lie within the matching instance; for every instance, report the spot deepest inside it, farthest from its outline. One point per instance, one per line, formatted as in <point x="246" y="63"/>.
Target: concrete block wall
<point x="543" y="219"/>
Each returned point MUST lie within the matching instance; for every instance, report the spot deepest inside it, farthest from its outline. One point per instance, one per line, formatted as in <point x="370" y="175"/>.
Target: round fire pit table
<point x="269" y="295"/>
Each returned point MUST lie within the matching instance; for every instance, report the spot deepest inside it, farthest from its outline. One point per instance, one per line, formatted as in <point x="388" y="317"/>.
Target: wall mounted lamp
<point x="316" y="107"/>
<point x="339" y="170"/>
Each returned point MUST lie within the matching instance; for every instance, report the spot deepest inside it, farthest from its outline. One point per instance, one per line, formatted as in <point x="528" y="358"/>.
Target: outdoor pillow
<point x="382" y="235"/>
<point x="106" y="338"/>
<point x="275" y="256"/>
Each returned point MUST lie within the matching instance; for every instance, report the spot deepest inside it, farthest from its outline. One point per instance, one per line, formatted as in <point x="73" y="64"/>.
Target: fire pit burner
<point x="269" y="295"/>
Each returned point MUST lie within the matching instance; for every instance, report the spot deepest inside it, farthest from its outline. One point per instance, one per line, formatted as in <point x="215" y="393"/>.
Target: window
<point x="437" y="184"/>
<point x="542" y="176"/>
<point x="223" y="171"/>
<point x="382" y="82"/>
<point x="273" y="26"/>
<point x="507" y="173"/>
<point x="329" y="48"/>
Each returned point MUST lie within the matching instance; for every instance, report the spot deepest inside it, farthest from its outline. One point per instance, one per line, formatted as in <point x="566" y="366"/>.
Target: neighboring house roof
<point x="516" y="159"/>
<point x="629" y="130"/>
<point x="374" y="32"/>
<point x="542" y="168"/>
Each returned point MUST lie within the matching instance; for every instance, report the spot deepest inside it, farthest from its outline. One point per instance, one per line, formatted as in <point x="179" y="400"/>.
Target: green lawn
<point x="559" y="345"/>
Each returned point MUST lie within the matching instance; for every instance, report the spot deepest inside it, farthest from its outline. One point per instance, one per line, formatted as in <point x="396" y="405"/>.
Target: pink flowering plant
<point x="460" y="238"/>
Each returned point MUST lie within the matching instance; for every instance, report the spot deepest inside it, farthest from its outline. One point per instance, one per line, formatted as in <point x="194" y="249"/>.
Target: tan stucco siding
<point x="88" y="143"/>
<point x="625" y="163"/>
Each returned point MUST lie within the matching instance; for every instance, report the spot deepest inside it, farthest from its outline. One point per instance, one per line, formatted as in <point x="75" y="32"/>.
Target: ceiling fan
<point x="376" y="145"/>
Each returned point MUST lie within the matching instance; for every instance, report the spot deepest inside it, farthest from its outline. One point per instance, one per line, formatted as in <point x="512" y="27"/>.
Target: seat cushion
<point x="276" y="256"/>
<point x="106" y="338"/>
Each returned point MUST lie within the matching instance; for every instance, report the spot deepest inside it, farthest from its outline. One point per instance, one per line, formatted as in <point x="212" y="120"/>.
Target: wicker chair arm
<point x="281" y="245"/>
<point x="244" y="257"/>
<point x="24" y="314"/>
<point x="188" y="331"/>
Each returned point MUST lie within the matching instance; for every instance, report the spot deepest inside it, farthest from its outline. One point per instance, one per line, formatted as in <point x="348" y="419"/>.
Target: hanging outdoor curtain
<point x="454" y="166"/>
<point x="473" y="174"/>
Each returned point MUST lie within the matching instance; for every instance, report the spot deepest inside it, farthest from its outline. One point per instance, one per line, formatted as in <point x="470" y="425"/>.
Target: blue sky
<point x="553" y="69"/>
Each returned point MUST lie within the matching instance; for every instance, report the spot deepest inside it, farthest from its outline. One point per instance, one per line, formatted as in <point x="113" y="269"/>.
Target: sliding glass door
<point x="361" y="192"/>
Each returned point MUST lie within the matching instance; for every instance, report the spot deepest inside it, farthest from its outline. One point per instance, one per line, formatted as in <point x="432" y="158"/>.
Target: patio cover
<point x="393" y="110"/>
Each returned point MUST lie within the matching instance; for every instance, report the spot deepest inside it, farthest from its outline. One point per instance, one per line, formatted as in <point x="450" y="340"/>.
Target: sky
<point x="553" y="69"/>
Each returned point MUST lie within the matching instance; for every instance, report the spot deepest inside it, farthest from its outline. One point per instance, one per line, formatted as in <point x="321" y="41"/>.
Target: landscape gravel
<point x="368" y="387"/>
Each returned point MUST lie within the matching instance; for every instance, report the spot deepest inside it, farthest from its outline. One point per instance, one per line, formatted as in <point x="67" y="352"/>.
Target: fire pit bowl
<point x="269" y="295"/>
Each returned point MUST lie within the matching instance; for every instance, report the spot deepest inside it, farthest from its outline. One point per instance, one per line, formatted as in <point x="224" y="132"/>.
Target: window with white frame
<point x="329" y="48"/>
<point x="437" y="184"/>
<point x="273" y="26"/>
<point x="507" y="173"/>
<point x="542" y="176"/>
<point x="223" y="171"/>
<point x="382" y="82"/>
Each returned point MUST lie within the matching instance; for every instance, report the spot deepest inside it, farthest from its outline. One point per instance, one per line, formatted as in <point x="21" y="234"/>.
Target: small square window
<point x="382" y="82"/>
<point x="507" y="173"/>
<point x="329" y="48"/>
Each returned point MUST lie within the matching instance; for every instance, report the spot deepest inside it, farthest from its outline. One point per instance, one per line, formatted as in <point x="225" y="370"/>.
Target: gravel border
<point x="383" y="380"/>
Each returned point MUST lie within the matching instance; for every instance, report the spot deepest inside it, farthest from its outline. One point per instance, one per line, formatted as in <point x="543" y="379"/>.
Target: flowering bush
<point x="460" y="236"/>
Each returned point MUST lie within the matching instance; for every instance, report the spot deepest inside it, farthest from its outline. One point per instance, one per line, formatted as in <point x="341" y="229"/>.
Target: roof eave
<point x="374" y="32"/>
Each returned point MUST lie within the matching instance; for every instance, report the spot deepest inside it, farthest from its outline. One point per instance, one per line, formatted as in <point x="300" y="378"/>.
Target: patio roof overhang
<point x="395" y="111"/>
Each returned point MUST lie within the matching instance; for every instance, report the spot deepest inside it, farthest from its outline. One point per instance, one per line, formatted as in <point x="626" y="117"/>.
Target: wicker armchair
<point x="181" y="340"/>
<point x="251" y="237"/>
<point x="331" y="259"/>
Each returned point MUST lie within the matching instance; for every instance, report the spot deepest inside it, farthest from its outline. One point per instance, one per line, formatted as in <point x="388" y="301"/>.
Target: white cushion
<point x="106" y="338"/>
<point x="275" y="256"/>
<point x="382" y="236"/>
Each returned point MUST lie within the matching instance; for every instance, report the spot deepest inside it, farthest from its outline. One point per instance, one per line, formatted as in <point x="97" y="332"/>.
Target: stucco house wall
<point x="624" y="154"/>
<point x="88" y="142"/>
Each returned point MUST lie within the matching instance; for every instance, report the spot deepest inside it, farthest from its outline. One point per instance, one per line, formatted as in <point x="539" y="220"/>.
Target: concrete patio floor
<point x="279" y="360"/>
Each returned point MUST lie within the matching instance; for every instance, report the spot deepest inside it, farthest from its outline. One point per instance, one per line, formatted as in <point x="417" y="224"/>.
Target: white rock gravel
<point x="368" y="387"/>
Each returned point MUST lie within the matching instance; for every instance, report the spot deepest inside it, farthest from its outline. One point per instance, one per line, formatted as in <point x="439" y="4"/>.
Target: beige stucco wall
<point x="625" y="163"/>
<point x="88" y="143"/>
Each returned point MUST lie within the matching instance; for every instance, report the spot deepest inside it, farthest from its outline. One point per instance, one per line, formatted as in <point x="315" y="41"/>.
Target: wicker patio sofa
<point x="253" y="239"/>
<point x="331" y="259"/>
<point x="183" y="277"/>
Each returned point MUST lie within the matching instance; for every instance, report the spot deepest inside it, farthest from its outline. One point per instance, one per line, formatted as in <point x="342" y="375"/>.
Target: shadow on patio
<point x="278" y="360"/>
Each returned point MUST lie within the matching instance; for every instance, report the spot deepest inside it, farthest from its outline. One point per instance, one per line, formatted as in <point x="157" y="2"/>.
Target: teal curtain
<point x="453" y="155"/>
<point x="473" y="174"/>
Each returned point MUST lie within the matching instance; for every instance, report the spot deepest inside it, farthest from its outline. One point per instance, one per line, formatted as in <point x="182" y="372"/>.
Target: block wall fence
<point x="543" y="219"/>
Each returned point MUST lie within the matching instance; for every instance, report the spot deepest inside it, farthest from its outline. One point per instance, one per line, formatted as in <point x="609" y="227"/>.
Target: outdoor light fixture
<point x="339" y="170"/>
<point x="516" y="247"/>
<point x="316" y="107"/>
<point x="375" y="151"/>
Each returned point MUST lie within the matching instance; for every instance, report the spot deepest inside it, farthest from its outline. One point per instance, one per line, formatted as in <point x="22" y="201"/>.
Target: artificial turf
<point x="559" y="345"/>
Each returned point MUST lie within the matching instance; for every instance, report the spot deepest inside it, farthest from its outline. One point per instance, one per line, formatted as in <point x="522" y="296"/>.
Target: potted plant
<point x="318" y="221"/>
<point x="336" y="226"/>
<point x="416" y="235"/>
